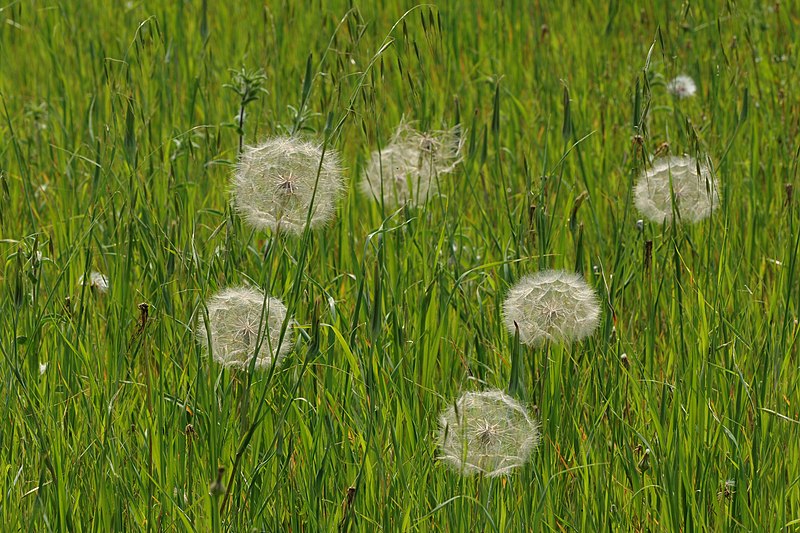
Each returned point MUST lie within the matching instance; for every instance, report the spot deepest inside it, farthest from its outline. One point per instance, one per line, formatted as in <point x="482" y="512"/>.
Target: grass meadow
<point x="119" y="132"/>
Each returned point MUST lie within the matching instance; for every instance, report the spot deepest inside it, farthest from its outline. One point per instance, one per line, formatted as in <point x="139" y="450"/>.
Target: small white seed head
<point x="96" y="281"/>
<point x="682" y="86"/>
<point x="486" y="433"/>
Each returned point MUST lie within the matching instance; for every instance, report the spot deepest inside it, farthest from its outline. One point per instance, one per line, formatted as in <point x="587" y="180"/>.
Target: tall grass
<point x="118" y="137"/>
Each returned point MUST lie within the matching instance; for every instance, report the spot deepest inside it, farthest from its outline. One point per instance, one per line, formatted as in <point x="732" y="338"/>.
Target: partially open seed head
<point x="408" y="168"/>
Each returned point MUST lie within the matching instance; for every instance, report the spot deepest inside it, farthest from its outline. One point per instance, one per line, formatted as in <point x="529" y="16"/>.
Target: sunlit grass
<point x="120" y="128"/>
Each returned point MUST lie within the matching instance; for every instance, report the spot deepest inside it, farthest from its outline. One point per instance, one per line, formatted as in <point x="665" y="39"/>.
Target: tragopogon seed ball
<point x="486" y="433"/>
<point x="682" y="86"/>
<point x="97" y="282"/>
<point x="407" y="169"/>
<point x="691" y="184"/>
<point x="243" y="324"/>
<point x="275" y="182"/>
<point x="551" y="305"/>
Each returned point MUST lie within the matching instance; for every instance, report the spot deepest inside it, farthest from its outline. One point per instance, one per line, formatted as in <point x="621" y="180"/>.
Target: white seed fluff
<point x="408" y="168"/>
<point x="239" y="330"/>
<point x="682" y="86"/>
<point x="695" y="190"/>
<point x="551" y="305"/>
<point x="96" y="281"/>
<point x="486" y="432"/>
<point x="274" y="183"/>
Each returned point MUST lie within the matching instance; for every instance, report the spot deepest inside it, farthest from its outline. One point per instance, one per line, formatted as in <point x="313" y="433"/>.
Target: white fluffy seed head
<point x="408" y="168"/>
<point x="551" y="305"/>
<point x="695" y="190"/>
<point x="486" y="433"/>
<point x="274" y="183"/>
<point x="96" y="281"/>
<point x="239" y="329"/>
<point x="682" y="86"/>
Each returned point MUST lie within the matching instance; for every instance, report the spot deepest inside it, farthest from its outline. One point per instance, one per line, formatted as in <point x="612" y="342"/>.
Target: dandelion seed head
<point x="406" y="170"/>
<point x="239" y="330"/>
<point x="96" y="281"/>
<point x="274" y="182"/>
<point x="551" y="305"/>
<point x="682" y="86"/>
<point x="695" y="190"/>
<point x="486" y="432"/>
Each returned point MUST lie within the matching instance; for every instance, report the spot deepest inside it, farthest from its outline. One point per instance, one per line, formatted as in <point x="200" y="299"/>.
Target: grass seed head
<point x="486" y="433"/>
<point x="551" y="305"/>
<point x="236" y="325"/>
<point x="407" y="169"/>
<point x="274" y="183"/>
<point x="682" y="86"/>
<point x="695" y="190"/>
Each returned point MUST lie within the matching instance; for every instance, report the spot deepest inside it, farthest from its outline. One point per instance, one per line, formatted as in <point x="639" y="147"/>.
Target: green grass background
<point x="117" y="137"/>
